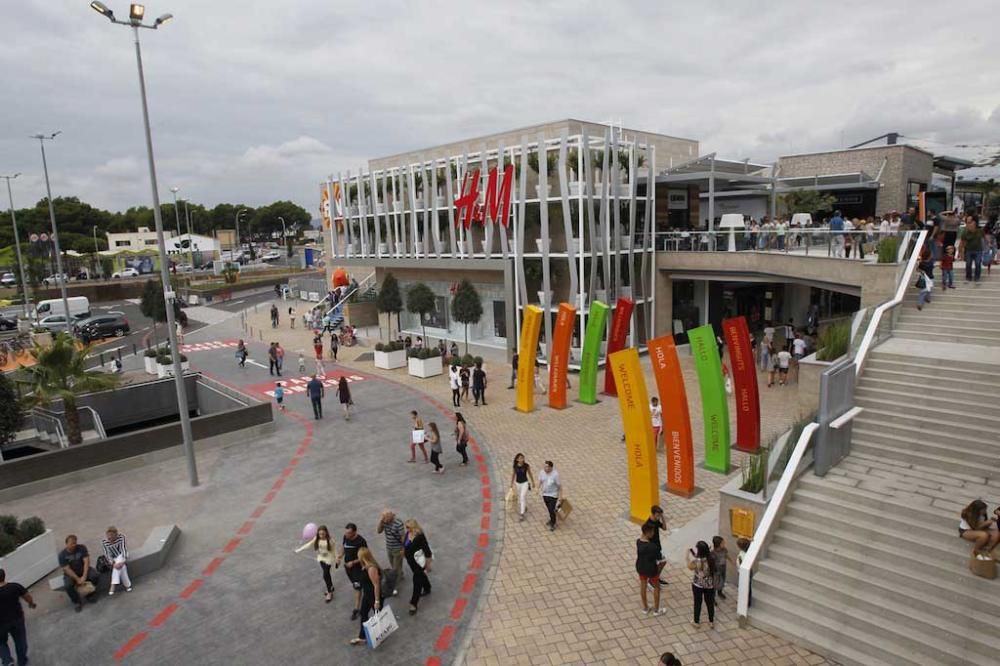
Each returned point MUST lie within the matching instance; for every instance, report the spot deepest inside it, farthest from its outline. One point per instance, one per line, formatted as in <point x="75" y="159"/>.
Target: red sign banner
<point x="620" y="323"/>
<point x="497" y="198"/>
<point x="676" y="417"/>
<point x="559" y="360"/>
<point x="745" y="389"/>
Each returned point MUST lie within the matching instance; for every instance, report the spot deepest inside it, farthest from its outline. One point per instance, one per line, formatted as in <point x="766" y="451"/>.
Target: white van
<point x="79" y="306"/>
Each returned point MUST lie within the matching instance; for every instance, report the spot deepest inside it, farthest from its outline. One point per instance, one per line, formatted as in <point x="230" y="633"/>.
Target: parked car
<point x="103" y="326"/>
<point x="54" y="279"/>
<point x="126" y="273"/>
<point x="270" y="256"/>
<point x="57" y="322"/>
<point x="8" y="280"/>
<point x="8" y="323"/>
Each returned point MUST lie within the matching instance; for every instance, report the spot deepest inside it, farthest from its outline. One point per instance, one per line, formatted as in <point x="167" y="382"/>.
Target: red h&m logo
<point x="497" y="198"/>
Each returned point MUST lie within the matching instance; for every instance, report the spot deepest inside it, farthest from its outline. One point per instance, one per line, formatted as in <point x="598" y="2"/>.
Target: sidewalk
<point x="571" y="597"/>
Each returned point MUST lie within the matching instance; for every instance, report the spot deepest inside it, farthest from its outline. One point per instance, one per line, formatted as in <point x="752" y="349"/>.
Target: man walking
<point x="272" y="359"/>
<point x="351" y="544"/>
<point x="316" y="392"/>
<point x="971" y="248"/>
<point x="551" y="488"/>
<point x="394" y="532"/>
<point x="12" y="620"/>
<point x="837" y="229"/>
<point x="656" y="522"/>
<point x="274" y="315"/>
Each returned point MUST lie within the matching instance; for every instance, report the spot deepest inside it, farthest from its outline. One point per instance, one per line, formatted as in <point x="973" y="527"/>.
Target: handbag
<point x="418" y="437"/>
<point x="564" y="508"/>
<point x="420" y="559"/>
<point x="983" y="568"/>
<point x="85" y="589"/>
<point x="380" y="626"/>
<point x="103" y="566"/>
<point x="509" y="497"/>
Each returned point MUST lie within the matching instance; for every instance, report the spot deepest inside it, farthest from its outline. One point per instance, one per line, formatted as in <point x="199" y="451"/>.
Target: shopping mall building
<point x="564" y="212"/>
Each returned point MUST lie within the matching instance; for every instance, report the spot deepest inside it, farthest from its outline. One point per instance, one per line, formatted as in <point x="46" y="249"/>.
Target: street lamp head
<point x="175" y="190"/>
<point x="162" y="19"/>
<point x="100" y="8"/>
<point x="136" y="12"/>
<point x="42" y="137"/>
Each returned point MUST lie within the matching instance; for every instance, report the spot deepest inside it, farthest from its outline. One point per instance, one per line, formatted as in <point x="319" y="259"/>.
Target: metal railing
<point x="97" y="425"/>
<point x="350" y="292"/>
<point x="45" y="422"/>
<point x="797" y="464"/>
<point x="880" y="326"/>
<point x="812" y="241"/>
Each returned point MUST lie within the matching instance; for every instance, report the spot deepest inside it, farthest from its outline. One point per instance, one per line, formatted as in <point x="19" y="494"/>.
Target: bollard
<point x="102" y="359"/>
<point x="260" y="334"/>
<point x="119" y="354"/>
<point x="135" y="350"/>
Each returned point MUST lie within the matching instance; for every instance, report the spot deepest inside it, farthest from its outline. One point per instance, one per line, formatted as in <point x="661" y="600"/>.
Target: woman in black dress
<point x="461" y="437"/>
<point x="344" y="393"/>
<point x="371" y="593"/>
<point x="418" y="556"/>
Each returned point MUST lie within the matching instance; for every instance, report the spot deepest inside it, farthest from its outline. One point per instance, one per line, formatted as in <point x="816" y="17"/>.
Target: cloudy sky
<point x="257" y="100"/>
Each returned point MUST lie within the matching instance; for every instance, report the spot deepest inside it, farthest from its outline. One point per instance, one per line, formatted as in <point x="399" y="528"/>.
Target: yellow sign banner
<point x="643" y="478"/>
<point x="530" y="328"/>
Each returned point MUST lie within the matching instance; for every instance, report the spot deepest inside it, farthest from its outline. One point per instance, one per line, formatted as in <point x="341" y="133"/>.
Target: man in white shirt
<point x="784" y="359"/>
<point x="798" y="347"/>
<point x="656" y="416"/>
<point x="551" y="489"/>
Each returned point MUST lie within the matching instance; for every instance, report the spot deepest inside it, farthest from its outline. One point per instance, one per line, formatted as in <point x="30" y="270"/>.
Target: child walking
<point x="925" y="284"/>
<point x="279" y="395"/>
<point x="302" y="362"/>
<point x="948" y="268"/>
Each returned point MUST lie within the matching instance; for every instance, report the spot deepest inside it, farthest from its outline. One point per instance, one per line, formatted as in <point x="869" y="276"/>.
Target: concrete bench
<point x="144" y="560"/>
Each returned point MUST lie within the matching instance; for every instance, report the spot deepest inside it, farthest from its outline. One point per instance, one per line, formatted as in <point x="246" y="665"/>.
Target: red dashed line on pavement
<point x="132" y="644"/>
<point x="487" y="506"/>
<point x="246" y="528"/>
<point x="258" y="512"/>
<point x="192" y="588"/>
<point x="232" y="545"/>
<point x="269" y="497"/>
<point x="433" y="661"/>
<point x="458" y="608"/>
<point x="162" y="616"/>
<point x="477" y="560"/>
<point x="278" y="484"/>
<point x="469" y="583"/>
<point x="484" y="523"/>
<point x="486" y="493"/>
<point x="484" y="539"/>
<point x="285" y="473"/>
<point x="444" y="638"/>
<point x="212" y="566"/>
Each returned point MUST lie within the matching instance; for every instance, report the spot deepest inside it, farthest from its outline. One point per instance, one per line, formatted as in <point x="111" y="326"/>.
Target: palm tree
<point x="59" y="374"/>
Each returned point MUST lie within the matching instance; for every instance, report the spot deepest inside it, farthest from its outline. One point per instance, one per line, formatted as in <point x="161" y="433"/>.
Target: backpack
<point x="388" y="582"/>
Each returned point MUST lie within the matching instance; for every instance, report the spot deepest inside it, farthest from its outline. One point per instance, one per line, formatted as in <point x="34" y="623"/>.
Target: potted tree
<point x="466" y="307"/>
<point x="389" y="301"/>
<point x="420" y="301"/>
<point x="424" y="362"/>
<point x="149" y="360"/>
<point x="60" y="373"/>
<point x="551" y="159"/>
<point x="27" y="549"/>
<point x="390" y="355"/>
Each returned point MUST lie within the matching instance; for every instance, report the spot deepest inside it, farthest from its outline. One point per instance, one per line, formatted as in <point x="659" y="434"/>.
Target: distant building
<point x="135" y="241"/>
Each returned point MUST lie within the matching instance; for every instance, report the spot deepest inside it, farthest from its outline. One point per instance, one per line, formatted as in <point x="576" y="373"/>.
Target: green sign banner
<point x="714" y="407"/>
<point x="596" y="321"/>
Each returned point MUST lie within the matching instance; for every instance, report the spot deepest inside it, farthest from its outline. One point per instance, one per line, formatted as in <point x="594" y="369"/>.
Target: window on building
<point x="500" y="319"/>
<point x="150" y="242"/>
<point x="438" y="318"/>
<point x="123" y="243"/>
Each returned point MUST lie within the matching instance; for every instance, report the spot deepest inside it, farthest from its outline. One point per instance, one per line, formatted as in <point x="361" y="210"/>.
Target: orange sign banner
<point x="643" y="478"/>
<point x="559" y="361"/>
<point x="530" y="328"/>
<point x="676" y="417"/>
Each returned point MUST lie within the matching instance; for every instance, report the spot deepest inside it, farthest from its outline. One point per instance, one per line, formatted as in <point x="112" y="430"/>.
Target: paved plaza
<point x="504" y="592"/>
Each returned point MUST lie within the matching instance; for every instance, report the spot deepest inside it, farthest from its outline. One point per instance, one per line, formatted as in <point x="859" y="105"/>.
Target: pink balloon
<point x="309" y="531"/>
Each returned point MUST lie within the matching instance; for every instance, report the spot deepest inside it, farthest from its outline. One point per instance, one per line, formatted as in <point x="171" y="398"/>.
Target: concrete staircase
<point x="866" y="565"/>
<point x="968" y="314"/>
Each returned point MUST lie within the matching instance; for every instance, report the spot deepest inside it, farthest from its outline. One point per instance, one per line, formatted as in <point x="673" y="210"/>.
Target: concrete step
<point x="964" y="327"/>
<point x="818" y="490"/>
<point x="955" y="464"/>
<point x="875" y="418"/>
<point x="924" y="376"/>
<point x="954" y="388"/>
<point x="848" y="646"/>
<point x="952" y="595"/>
<point x="930" y="361"/>
<point x="938" y="639"/>
<point x="916" y="410"/>
<point x="860" y="508"/>
<point x="927" y="441"/>
<point x="909" y="333"/>
<point x="944" y="398"/>
<point x="917" y="471"/>
<point x="934" y="316"/>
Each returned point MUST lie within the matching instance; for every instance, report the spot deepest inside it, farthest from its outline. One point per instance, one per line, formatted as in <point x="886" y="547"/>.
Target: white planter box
<point x="164" y="370"/>
<point x="397" y="206"/>
<point x="538" y="191"/>
<point x="383" y="248"/>
<point x="543" y="244"/>
<point x="349" y="250"/>
<point x="32" y="561"/>
<point x="379" y="209"/>
<point x="419" y="247"/>
<point x="601" y="295"/>
<point x="150" y="364"/>
<point x="400" y="247"/>
<point x="185" y="366"/>
<point x="362" y="210"/>
<point x="544" y="297"/>
<point x="352" y="210"/>
<point x="575" y="188"/>
<point x="424" y="367"/>
<point x="390" y="360"/>
<point x="485" y="251"/>
<point x="439" y="201"/>
<point x="625" y="243"/>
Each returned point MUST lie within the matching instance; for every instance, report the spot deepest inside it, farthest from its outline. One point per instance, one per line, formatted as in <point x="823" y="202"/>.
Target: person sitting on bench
<point x="75" y="563"/>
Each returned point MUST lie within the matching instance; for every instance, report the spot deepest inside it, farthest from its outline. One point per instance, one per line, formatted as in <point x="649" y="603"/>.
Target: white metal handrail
<point x="773" y="513"/>
<point x="871" y="332"/>
<point x="54" y="425"/>
<point x="96" y="420"/>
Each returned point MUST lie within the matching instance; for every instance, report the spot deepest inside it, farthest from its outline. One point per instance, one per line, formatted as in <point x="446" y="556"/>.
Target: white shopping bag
<point x="418" y="437"/>
<point x="379" y="626"/>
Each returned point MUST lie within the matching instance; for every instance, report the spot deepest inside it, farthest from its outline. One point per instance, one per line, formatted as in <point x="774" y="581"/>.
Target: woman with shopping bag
<point x="371" y="592"/>
<point x="418" y="556"/>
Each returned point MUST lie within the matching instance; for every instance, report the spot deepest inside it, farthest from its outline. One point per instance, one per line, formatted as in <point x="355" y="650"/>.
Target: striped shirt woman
<point x="117" y="554"/>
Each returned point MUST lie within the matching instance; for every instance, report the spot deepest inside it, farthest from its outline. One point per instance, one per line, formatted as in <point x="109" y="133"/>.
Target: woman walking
<point x="453" y="382"/>
<point x="700" y="561"/>
<point x="463" y="375"/>
<point x="371" y="591"/>
<point x="417" y="436"/>
<point x="461" y="437"/>
<point x="334" y="345"/>
<point x="318" y="346"/>
<point x="521" y="476"/>
<point x="116" y="553"/>
<point x="418" y="556"/>
<point x="241" y="353"/>
<point x="326" y="555"/>
<point x="344" y="394"/>
<point x="434" y="437"/>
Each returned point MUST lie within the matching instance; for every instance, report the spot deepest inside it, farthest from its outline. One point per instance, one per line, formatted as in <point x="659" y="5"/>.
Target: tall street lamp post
<point x="60" y="276"/>
<point x="187" y="215"/>
<point x="238" y="246"/>
<point x="136" y="14"/>
<point x="17" y="242"/>
<point x="177" y="214"/>
<point x="97" y="256"/>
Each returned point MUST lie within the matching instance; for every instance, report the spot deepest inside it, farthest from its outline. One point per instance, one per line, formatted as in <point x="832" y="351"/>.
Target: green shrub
<point x="152" y="352"/>
<point x="391" y="346"/>
<point x="379" y="347"/>
<point x="754" y="473"/>
<point x="8" y="525"/>
<point x="30" y="528"/>
<point x="834" y="341"/>
<point x="8" y="544"/>
<point x="425" y="353"/>
<point x="887" y="248"/>
<point x="468" y="361"/>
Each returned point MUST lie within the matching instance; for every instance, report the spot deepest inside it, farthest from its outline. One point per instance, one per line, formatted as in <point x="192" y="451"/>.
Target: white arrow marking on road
<point x="259" y="365"/>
